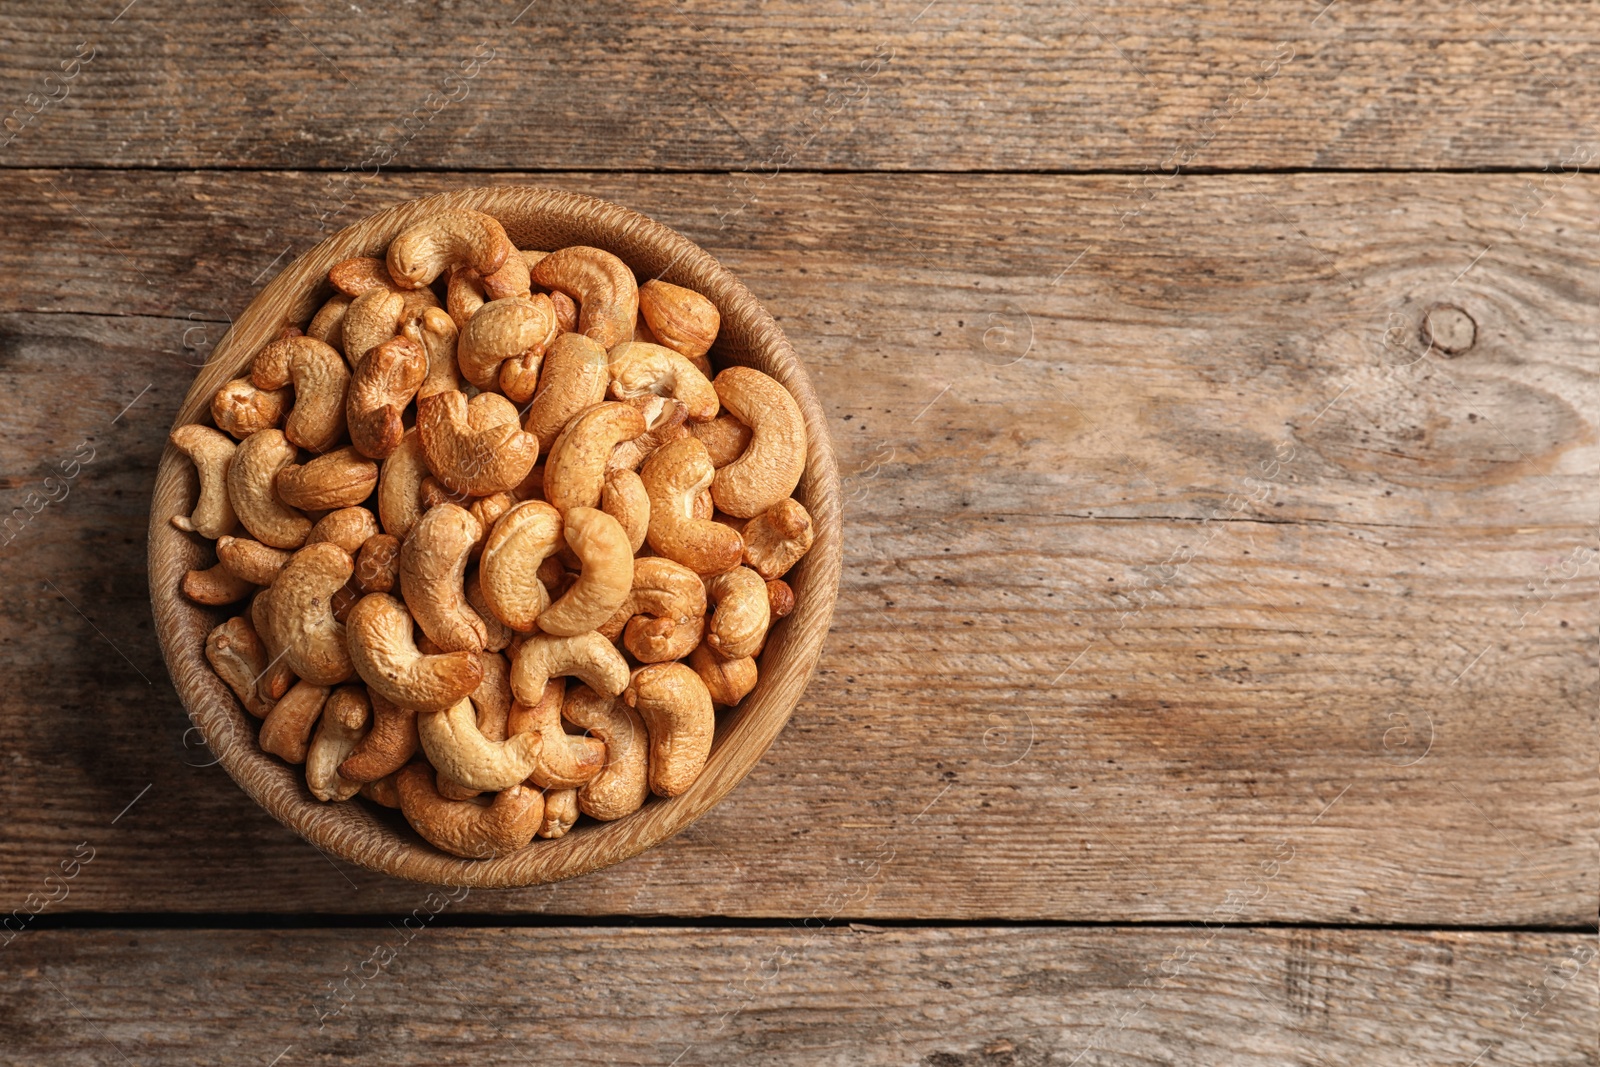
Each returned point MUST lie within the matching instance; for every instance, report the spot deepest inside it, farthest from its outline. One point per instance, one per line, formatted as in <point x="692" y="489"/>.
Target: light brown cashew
<point x="515" y="328"/>
<point x="727" y="680"/>
<point x="638" y="369"/>
<point x="622" y="787"/>
<point x="676" y="708"/>
<point x="216" y="585"/>
<point x="382" y="791"/>
<point x="360" y="274"/>
<point x="520" y="541"/>
<point x="662" y="589"/>
<point x="436" y="332"/>
<point x="342" y="478"/>
<point x="565" y="760"/>
<point x="725" y="438"/>
<point x="652" y="640"/>
<point x="601" y="545"/>
<point x="455" y="746"/>
<point x="212" y="452"/>
<point x="464" y="294"/>
<point x="345" y="721"/>
<point x="456" y="235"/>
<point x="380" y="389"/>
<point x="386" y="657"/>
<point x="475" y="448"/>
<point x="499" y="635"/>
<point x="468" y="828"/>
<point x="378" y="564"/>
<point x="624" y="499"/>
<point x="300" y="621"/>
<point x="399" y="482"/>
<point x="386" y="747"/>
<point x="704" y="508"/>
<point x="780" y="598"/>
<point x="240" y="659"/>
<point x="348" y="528"/>
<point x="771" y="467"/>
<point x="512" y="279"/>
<point x="664" y="422"/>
<point x="739" y="627"/>
<point x="250" y="479"/>
<point x="674" y="477"/>
<point x="327" y="325"/>
<point x="775" y="540"/>
<point x="320" y="379"/>
<point x="603" y="286"/>
<point x="566" y="312"/>
<point x="586" y="656"/>
<point x="492" y="701"/>
<point x="487" y="510"/>
<point x="574" y="377"/>
<point x="371" y="319"/>
<point x="680" y="318"/>
<point x="241" y="409"/>
<point x="575" y="465"/>
<point x="276" y="677"/>
<point x="286" y="732"/>
<point x="250" y="560"/>
<point x="560" y="813"/>
<point x="433" y="567"/>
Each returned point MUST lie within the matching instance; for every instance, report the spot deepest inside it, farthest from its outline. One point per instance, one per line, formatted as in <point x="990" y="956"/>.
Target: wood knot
<point x="1448" y="329"/>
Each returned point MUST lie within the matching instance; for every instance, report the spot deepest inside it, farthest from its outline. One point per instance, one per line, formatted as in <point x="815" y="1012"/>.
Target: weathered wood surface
<point x="981" y="997"/>
<point x="1405" y="84"/>
<point x="1095" y="656"/>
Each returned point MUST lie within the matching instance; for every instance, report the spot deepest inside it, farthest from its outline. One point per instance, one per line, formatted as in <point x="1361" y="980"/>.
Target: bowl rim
<point x="355" y="831"/>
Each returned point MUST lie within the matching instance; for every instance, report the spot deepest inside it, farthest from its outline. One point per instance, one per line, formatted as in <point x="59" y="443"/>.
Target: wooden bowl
<point x="358" y="831"/>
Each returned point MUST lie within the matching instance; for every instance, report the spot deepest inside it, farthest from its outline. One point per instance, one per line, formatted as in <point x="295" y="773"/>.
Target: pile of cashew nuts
<point x="523" y="597"/>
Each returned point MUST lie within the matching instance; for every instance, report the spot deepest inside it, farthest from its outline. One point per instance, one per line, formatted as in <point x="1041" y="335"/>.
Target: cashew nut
<point x="251" y="561"/>
<point x="344" y="723"/>
<point x="771" y="467"/>
<point x="399" y="482"/>
<point x="475" y="448"/>
<point x="603" y="286"/>
<point x="515" y="328"/>
<point x="467" y="828"/>
<point x="287" y="729"/>
<point x="320" y="378"/>
<point x="674" y="477"/>
<point x="240" y="659"/>
<point x="214" y="586"/>
<point x="499" y="634"/>
<point x="512" y="279"/>
<point x="464" y="294"/>
<point x="573" y="378"/>
<point x="565" y="760"/>
<point x="241" y="409"/>
<point x="664" y="422"/>
<point x="680" y="318"/>
<point x="327" y="325"/>
<point x="575" y="466"/>
<point x="436" y="332"/>
<point x="276" y="677"/>
<point x="212" y="452"/>
<point x="382" y="791"/>
<point x="339" y="479"/>
<point x="462" y="753"/>
<point x="433" y="564"/>
<point x="348" y="528"/>
<point x="371" y="319"/>
<point x="520" y="541"/>
<point x="378" y="564"/>
<point x="587" y="656"/>
<point x="381" y="388"/>
<point x="456" y="235"/>
<point x="492" y="702"/>
<point x="653" y="640"/>
<point x="727" y="680"/>
<point x="386" y="657"/>
<point x="739" y="627"/>
<point x="775" y="540"/>
<point x="601" y="545"/>
<point x="622" y="786"/>
<point x="661" y="589"/>
<point x="300" y="622"/>
<point x="725" y="438"/>
<point x="638" y="369"/>
<point x="250" y="478"/>
<point x="560" y="813"/>
<point x="360" y="274"/>
<point x="780" y="598"/>
<point x="676" y="708"/>
<point x="624" y="499"/>
<point x="386" y="747"/>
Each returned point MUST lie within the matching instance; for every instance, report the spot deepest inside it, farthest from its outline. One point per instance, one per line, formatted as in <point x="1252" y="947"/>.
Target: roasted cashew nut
<point x="386" y="657"/>
<point x="775" y="540"/>
<point x="212" y="452"/>
<point x="474" y="448"/>
<point x="680" y="318"/>
<point x="371" y="319"/>
<point x="378" y="564"/>
<point x="381" y="388"/>
<point x="725" y="438"/>
<point x="215" y="586"/>
<point x="250" y="479"/>
<point x="622" y="787"/>
<point x="674" y="477"/>
<point x="574" y="378"/>
<point x="464" y="294"/>
<point x="360" y="274"/>
<point x="623" y="497"/>
<point x="676" y="708"/>
<point x="348" y="528"/>
<point x="436" y="332"/>
<point x="276" y="677"/>
<point x="739" y="627"/>
<point x="327" y="325"/>
<point x="565" y="760"/>
<point x="238" y="656"/>
<point x="466" y="828"/>
<point x="515" y="329"/>
<point x="342" y="478"/>
<point x="300" y="617"/>
<point x="399" y="484"/>
<point x="286" y="732"/>
<point x="638" y="369"/>
<point x="780" y="597"/>
<point x="433" y="566"/>
<point x="512" y="279"/>
<point x="320" y="378"/>
<point x="241" y="409"/>
<point x="345" y="721"/>
<point x="586" y="656"/>
<point x="390" y="742"/>
<point x="771" y="467"/>
<point x="462" y="753"/>
<point x="520" y="541"/>
<point x="727" y="680"/>
<point x="601" y="545"/>
<point x="664" y="423"/>
<point x="560" y="813"/>
<point x="575" y="468"/>
<point x="603" y="286"/>
<point x="456" y="235"/>
<point x="661" y="589"/>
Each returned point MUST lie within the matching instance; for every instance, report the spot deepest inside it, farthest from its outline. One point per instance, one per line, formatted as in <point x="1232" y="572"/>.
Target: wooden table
<point x="1214" y="677"/>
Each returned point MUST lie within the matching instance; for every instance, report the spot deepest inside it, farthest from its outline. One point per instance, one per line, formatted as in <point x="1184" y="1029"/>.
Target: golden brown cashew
<point x="601" y="545"/>
<point x="780" y="598"/>
<point x="386" y="657"/>
<point x="436" y="332"/>
<point x="566" y="312"/>
<point x="462" y="753"/>
<point x="652" y="640"/>
<point x="664" y="423"/>
<point x="342" y="478"/>
<point x="276" y="677"/>
<point x="466" y="828"/>
<point x="250" y="479"/>
<point x="287" y="730"/>
<point x="371" y="319"/>
<point x="621" y="788"/>
<point x="624" y="499"/>
<point x="456" y="235"/>
<point x="638" y="369"/>
<point x="378" y="564"/>
<point x="565" y="760"/>
<point x="300" y="622"/>
<point x="519" y="543"/>
<point x="320" y="378"/>
<point x="514" y="329"/>
<point x="725" y="438"/>
<point x="241" y="409"/>
<point x="676" y="708"/>
<point x="382" y="386"/>
<point x="674" y="477"/>
<point x="388" y="745"/>
<point x="499" y="634"/>
<point x="771" y="467"/>
<point x="344" y="723"/>
<point x="575" y="467"/>
<point x="775" y="540"/>
<point x="382" y="791"/>
<point x="603" y="286"/>
<point x="399" y="481"/>
<point x="348" y="528"/>
<point x="727" y="680"/>
<point x="492" y="701"/>
<point x="240" y="659"/>
<point x="680" y="318"/>
<point x="642" y="331"/>
<point x="739" y="627"/>
<point x="560" y="813"/>
<point x="433" y="566"/>
<point x="327" y="325"/>
<point x="512" y="279"/>
<point x="475" y="448"/>
<point x="250" y="560"/>
<point x="464" y="294"/>
<point x="587" y="656"/>
<point x="661" y="589"/>
<point x="574" y="377"/>
<point x="360" y="274"/>
<point x="212" y="452"/>
<point x="214" y="586"/>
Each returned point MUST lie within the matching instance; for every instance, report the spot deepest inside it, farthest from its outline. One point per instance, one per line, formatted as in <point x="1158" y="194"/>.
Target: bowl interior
<point x="356" y="830"/>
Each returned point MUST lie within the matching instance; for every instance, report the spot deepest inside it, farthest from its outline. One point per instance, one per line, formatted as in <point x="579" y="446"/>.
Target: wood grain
<point x="979" y="997"/>
<point x="1095" y="656"/>
<point x="832" y="85"/>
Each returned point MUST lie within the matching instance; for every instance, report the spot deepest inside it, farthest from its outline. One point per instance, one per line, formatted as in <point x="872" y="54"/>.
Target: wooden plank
<point x="825" y="85"/>
<point x="944" y="998"/>
<point x="1092" y="659"/>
